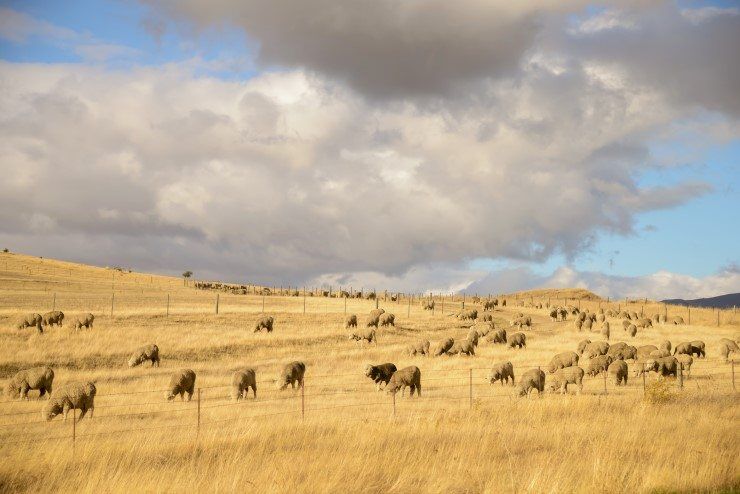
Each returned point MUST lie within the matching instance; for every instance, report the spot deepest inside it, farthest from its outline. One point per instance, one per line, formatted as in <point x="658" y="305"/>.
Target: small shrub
<point x="659" y="392"/>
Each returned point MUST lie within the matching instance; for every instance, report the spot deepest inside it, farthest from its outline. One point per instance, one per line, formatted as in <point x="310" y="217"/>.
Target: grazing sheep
<point x="487" y="318"/>
<point x="644" y="351"/>
<point x="726" y="347"/>
<point x="421" y="347"/>
<point x="502" y="372"/>
<point x="489" y="304"/>
<point x="698" y="348"/>
<point x="482" y="329"/>
<point x="554" y="315"/>
<point x="408" y="376"/>
<point x="665" y="366"/>
<point x="85" y="320"/>
<point x="427" y="304"/>
<point x="684" y="347"/>
<point x="23" y="381"/>
<point x="561" y="360"/>
<point x="76" y="395"/>
<point x="53" y="317"/>
<point x="616" y="346"/>
<point x="624" y="315"/>
<point x="462" y="347"/>
<point x="567" y="375"/>
<point x="376" y="313"/>
<point x="619" y="370"/>
<point x="665" y="345"/>
<point x="443" y="347"/>
<point x="677" y="320"/>
<point x="241" y="381"/>
<point x="598" y="365"/>
<point x="623" y="353"/>
<point x="30" y="321"/>
<point x="144" y="353"/>
<point x="264" y="322"/>
<point x="473" y="337"/>
<point x="388" y="319"/>
<point x="351" y="321"/>
<point x="468" y="315"/>
<point x="686" y="361"/>
<point x="522" y="321"/>
<point x="595" y="349"/>
<point x="632" y="330"/>
<point x="626" y="324"/>
<point x="518" y="340"/>
<point x="380" y="374"/>
<point x="563" y="314"/>
<point x="634" y="316"/>
<point x="532" y="379"/>
<point x="582" y="346"/>
<point x="364" y="335"/>
<point x="605" y="330"/>
<point x="291" y="374"/>
<point x="587" y="324"/>
<point x="578" y="324"/>
<point x="644" y="323"/>
<point x="660" y="354"/>
<point x="498" y="337"/>
<point x="181" y="382"/>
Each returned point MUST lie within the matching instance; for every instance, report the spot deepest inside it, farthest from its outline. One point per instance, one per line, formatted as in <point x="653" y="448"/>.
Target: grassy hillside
<point x="340" y="434"/>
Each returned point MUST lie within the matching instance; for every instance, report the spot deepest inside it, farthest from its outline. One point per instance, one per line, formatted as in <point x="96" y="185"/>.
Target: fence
<point x="462" y="388"/>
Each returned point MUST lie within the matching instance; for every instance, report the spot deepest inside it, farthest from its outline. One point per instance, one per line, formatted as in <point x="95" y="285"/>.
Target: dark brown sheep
<point x="380" y="374"/>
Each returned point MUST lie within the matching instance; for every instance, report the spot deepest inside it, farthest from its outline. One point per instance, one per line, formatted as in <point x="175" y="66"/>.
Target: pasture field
<point x="339" y="434"/>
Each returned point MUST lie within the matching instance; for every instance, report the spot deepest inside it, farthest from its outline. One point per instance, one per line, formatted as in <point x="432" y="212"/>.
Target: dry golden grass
<point x="349" y="440"/>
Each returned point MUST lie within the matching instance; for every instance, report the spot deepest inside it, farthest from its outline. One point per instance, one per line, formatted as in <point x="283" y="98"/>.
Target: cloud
<point x="660" y="285"/>
<point x="289" y="176"/>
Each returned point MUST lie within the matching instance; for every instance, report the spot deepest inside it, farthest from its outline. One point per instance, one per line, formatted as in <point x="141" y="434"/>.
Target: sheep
<point x="660" y="354"/>
<point x="522" y="321"/>
<point x="645" y="350"/>
<point x="632" y="330"/>
<point x="181" y="382"/>
<point x="684" y="347"/>
<point x="264" y="322"/>
<point x="665" y="345"/>
<point x="427" y="304"/>
<point x="489" y="305"/>
<point x="364" y="335"/>
<point x="623" y="353"/>
<point x="372" y="321"/>
<point x="532" y="379"/>
<point x="561" y="360"/>
<point x="626" y="324"/>
<point x="578" y="324"/>
<point x="71" y="396"/>
<point x="41" y="378"/>
<point x="461" y="347"/>
<point x="483" y="328"/>
<point x="726" y="347"/>
<point x="596" y="348"/>
<point x="582" y="346"/>
<point x="634" y="316"/>
<point x="518" y="340"/>
<point x="380" y="374"/>
<point x="677" y="320"/>
<point x="605" y="330"/>
<point x="563" y="314"/>
<point x="85" y="320"/>
<point x="698" y="348"/>
<point x="601" y="318"/>
<point x="598" y="365"/>
<point x="567" y="375"/>
<point x="497" y="337"/>
<point x="443" y="347"/>
<point x="31" y="320"/>
<point x="554" y="315"/>
<point x="376" y="313"/>
<point x="501" y="372"/>
<point x="351" y="321"/>
<point x="388" y="319"/>
<point x="665" y="366"/>
<point x="52" y="317"/>
<point x="291" y="374"/>
<point x="685" y="361"/>
<point x="616" y="346"/>
<point x="487" y="318"/>
<point x="473" y="337"/>
<point x="464" y="315"/>
<point x="619" y="370"/>
<point x="421" y="347"/>
<point x="587" y="324"/>
<point x="144" y="353"/>
<point x="408" y="376"/>
<point x="241" y="381"/>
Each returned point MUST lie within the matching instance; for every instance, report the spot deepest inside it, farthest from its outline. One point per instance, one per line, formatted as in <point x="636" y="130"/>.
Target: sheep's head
<point x="134" y="361"/>
<point x="392" y="387"/>
<point x="51" y="410"/>
<point x="12" y="390"/>
<point x="170" y="395"/>
<point x="368" y="370"/>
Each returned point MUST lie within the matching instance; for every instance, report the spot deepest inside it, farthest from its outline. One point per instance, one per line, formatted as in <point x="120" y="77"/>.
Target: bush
<point x="659" y="392"/>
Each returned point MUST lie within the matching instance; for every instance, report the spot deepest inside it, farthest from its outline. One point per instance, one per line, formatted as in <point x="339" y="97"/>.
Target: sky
<point x="415" y="145"/>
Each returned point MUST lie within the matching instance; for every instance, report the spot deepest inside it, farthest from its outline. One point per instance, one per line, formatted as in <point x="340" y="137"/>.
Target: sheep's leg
<point x="83" y="411"/>
<point x="24" y="391"/>
<point x="42" y="392"/>
<point x="66" y="410"/>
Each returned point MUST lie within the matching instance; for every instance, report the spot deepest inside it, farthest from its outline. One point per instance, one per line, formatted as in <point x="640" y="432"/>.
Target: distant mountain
<point x="720" y="302"/>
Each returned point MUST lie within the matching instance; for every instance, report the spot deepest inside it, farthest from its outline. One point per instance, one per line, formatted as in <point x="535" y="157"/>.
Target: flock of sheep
<point x="567" y="368"/>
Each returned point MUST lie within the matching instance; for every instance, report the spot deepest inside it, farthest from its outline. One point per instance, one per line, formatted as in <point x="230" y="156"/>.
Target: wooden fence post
<point x="408" y="314"/>
<point x="304" y="301"/>
<point x="345" y="305"/>
<point x="112" y="297"/>
<point x="217" y="304"/>
<point x="605" y="391"/>
<point x="680" y="375"/>
<point x="303" y="401"/>
<point x="168" y="305"/>
<point x="263" y="301"/>
<point x="689" y="309"/>
<point x="644" y="384"/>
<point x="197" y="432"/>
<point x="394" y="403"/>
<point x="733" y="373"/>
